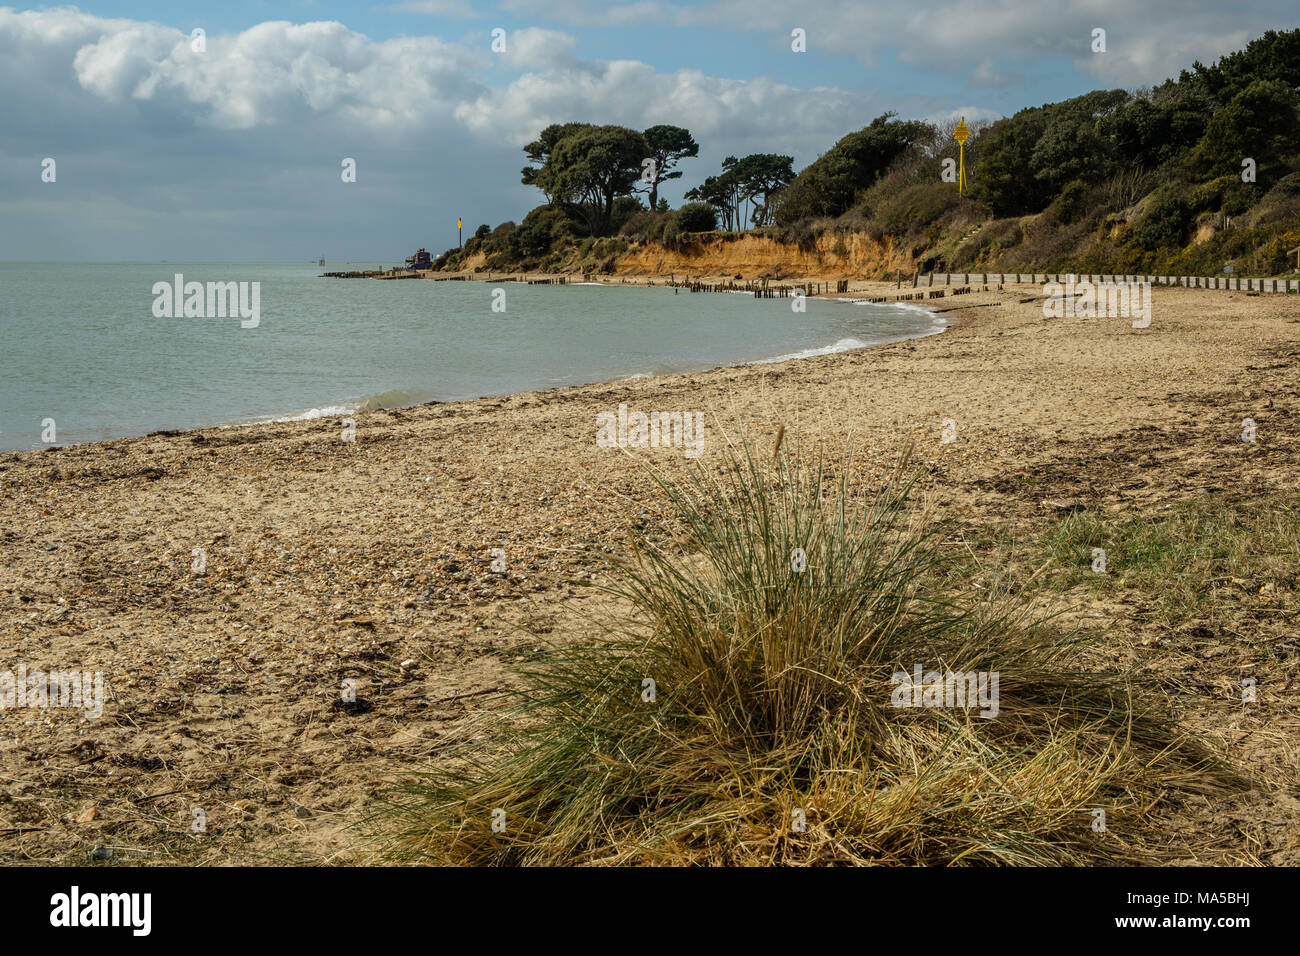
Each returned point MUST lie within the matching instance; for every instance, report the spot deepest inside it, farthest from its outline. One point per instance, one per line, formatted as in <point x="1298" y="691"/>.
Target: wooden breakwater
<point x="760" y="289"/>
<point x="375" y="274"/>
<point x="917" y="296"/>
<point x="506" y="277"/>
<point x="950" y="283"/>
<point x="1231" y="283"/>
<point x="390" y="274"/>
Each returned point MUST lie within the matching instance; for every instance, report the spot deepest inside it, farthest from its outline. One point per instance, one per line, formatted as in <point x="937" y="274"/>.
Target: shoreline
<point x="347" y="409"/>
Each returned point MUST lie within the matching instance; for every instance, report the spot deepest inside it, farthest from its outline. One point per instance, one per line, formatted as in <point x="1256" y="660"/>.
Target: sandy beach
<point x="373" y="561"/>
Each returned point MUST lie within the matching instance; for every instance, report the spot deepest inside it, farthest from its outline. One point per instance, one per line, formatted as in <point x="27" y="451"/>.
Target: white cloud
<point x="533" y="48"/>
<point x="281" y="75"/>
<point x="120" y="62"/>
<point x="1134" y="58"/>
<point x="972" y="114"/>
<point x="460" y="9"/>
<point x="1147" y="42"/>
<point x="273" y="71"/>
<point x="631" y="93"/>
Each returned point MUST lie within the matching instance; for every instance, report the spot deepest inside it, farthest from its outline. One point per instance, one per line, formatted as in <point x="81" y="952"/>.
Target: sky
<point x="233" y="152"/>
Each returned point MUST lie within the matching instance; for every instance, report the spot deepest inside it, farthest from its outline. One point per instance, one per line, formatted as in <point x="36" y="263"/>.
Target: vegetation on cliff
<point x="1198" y="173"/>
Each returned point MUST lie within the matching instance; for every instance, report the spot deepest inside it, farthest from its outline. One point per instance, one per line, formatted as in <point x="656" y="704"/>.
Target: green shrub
<point x="1071" y="204"/>
<point x="1165" y="223"/>
<point x="697" y="217"/>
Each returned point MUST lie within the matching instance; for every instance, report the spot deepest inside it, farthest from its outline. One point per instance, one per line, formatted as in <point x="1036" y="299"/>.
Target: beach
<point x="442" y="545"/>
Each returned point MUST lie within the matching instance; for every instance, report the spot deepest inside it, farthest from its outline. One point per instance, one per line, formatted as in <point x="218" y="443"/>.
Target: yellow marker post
<point x="459" y="241"/>
<point x="961" y="134"/>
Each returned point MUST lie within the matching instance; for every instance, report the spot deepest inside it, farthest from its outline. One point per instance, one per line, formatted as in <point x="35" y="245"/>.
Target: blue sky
<point x="233" y="153"/>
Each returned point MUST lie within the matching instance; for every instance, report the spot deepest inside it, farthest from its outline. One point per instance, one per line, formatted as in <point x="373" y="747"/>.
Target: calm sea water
<point x="79" y="343"/>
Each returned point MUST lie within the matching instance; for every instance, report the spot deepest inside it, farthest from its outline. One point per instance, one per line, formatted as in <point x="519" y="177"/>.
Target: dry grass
<point x="771" y="736"/>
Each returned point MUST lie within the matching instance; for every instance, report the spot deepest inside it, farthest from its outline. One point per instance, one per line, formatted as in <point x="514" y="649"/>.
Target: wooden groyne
<point x="917" y="296"/>
<point x="933" y="285"/>
<point x="1225" y="282"/>
<point x="760" y="288"/>
<point x="389" y="274"/>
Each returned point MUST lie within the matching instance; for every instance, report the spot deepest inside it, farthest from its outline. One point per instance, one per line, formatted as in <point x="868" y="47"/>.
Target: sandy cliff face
<point x="474" y="262"/>
<point x="852" y="255"/>
<point x="842" y="256"/>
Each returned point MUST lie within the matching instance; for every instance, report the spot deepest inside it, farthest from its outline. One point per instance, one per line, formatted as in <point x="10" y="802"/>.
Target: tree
<point x="1273" y="56"/>
<point x="1261" y="122"/>
<point x="720" y="193"/>
<point x="762" y="174"/>
<point x="742" y="182"/>
<point x="539" y="151"/>
<point x="831" y="185"/>
<point x="1072" y="147"/>
<point x="586" y="168"/>
<point x="667" y="145"/>
<point x="1005" y="177"/>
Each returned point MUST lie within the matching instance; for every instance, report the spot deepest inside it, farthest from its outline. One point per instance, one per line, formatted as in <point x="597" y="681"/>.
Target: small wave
<point x="843" y="345"/>
<point x="889" y="305"/>
<point x="329" y="411"/>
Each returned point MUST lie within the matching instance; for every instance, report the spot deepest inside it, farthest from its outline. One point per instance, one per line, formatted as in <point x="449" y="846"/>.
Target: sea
<point x="90" y="351"/>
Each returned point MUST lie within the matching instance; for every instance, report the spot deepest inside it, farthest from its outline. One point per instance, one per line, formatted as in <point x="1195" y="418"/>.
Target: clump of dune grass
<point x="743" y="712"/>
